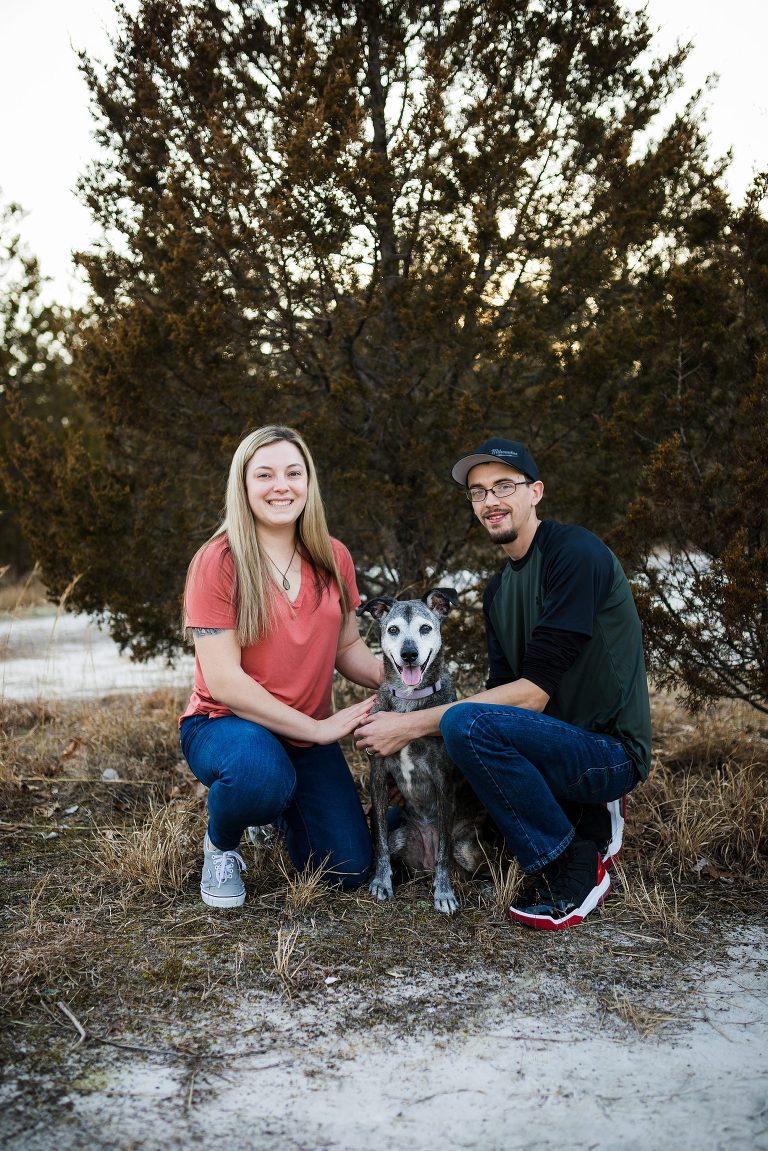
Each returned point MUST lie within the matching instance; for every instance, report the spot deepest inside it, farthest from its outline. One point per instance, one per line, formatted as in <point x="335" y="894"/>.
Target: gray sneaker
<point x="221" y="884"/>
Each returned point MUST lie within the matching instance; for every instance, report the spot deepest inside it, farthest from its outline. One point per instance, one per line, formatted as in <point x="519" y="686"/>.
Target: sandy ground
<point x="528" y="1067"/>
<point x="521" y="1064"/>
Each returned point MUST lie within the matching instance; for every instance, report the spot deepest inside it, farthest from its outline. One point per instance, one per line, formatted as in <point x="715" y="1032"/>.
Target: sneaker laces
<point x="530" y="890"/>
<point x="568" y="878"/>
<point x="560" y="884"/>
<point x="225" y="865"/>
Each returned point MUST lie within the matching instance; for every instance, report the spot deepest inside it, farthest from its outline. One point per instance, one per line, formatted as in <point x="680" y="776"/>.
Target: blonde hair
<point x="254" y="593"/>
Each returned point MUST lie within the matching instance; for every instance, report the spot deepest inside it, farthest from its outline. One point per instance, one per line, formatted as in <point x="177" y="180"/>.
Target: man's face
<point x="505" y="518"/>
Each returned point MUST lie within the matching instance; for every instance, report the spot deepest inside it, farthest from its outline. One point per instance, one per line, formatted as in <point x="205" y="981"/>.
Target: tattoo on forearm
<point x="207" y="630"/>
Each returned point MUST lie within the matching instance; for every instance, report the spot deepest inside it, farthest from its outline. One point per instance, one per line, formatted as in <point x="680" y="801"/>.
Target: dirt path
<point x="477" y="1058"/>
<point x="529" y="1066"/>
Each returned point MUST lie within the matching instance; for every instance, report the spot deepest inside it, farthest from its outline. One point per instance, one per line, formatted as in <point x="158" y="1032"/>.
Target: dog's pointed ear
<point x="441" y="599"/>
<point x="377" y="607"/>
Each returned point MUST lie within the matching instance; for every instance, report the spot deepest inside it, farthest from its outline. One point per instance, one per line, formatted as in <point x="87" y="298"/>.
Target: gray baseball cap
<point x="509" y="452"/>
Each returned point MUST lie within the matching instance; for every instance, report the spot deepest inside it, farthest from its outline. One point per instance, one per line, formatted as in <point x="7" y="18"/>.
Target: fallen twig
<point x="59" y="779"/>
<point x="185" y="923"/>
<point x="74" y="1020"/>
<point x="191" y="1089"/>
<point x="448" y="1091"/>
<point x="542" y="1038"/>
<point x="40" y="827"/>
<point x="164" y="1051"/>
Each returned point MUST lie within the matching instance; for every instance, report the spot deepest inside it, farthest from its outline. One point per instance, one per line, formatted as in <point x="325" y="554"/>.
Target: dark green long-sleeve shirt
<point x="564" y="617"/>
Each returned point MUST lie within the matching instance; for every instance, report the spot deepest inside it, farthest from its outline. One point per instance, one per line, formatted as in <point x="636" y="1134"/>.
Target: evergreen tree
<point x="35" y="390"/>
<point x="400" y="226"/>
<point x="697" y="532"/>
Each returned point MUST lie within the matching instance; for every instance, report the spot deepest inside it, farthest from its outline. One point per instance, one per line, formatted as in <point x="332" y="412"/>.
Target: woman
<point x="269" y="602"/>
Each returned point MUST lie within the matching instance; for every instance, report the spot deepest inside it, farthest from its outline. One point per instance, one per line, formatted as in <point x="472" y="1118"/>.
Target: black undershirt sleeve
<point x="499" y="670"/>
<point x="549" y="655"/>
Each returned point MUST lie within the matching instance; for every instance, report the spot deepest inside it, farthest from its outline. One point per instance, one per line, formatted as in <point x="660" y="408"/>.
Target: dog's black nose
<point x="409" y="653"/>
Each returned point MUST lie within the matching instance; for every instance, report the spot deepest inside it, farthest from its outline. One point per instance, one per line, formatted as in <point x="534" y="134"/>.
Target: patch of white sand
<point x="50" y="657"/>
<point x="292" y="1078"/>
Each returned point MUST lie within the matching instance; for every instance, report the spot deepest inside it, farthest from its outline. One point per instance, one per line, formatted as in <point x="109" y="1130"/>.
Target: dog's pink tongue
<point x="411" y="676"/>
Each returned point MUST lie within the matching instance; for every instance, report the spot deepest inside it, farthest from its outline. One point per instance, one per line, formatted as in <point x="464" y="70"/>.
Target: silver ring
<point x="368" y="751"/>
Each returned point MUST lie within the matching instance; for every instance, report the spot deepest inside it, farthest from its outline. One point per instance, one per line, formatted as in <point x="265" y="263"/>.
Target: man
<point x="562" y="731"/>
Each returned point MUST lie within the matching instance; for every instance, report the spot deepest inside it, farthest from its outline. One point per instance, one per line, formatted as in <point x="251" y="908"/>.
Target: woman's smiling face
<point x="276" y="484"/>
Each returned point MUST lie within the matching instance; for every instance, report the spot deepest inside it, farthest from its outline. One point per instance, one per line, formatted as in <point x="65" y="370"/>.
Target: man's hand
<point x="386" y="732"/>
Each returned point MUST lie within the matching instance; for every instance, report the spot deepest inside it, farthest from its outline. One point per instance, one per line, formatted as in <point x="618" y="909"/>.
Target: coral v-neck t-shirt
<point x="295" y="661"/>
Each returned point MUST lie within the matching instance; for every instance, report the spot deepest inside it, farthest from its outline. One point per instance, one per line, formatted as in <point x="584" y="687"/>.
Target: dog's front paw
<point x="381" y="887"/>
<point x="446" y="902"/>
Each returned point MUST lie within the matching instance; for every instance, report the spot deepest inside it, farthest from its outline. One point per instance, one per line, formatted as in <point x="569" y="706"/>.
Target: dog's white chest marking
<point x="407" y="768"/>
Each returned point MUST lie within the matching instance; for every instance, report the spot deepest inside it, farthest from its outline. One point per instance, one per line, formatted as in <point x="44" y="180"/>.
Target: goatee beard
<point x="508" y="536"/>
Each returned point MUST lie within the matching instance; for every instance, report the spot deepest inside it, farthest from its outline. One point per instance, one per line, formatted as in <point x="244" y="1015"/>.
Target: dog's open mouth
<point x="411" y="674"/>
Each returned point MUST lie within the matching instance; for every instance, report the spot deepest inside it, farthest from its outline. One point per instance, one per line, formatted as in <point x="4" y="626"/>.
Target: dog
<point x="416" y="677"/>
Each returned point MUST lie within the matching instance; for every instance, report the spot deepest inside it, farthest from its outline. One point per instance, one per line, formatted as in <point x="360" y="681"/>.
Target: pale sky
<point x="46" y="127"/>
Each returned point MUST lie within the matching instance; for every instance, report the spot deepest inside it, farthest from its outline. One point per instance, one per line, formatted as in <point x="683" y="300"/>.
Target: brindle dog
<point x="430" y="837"/>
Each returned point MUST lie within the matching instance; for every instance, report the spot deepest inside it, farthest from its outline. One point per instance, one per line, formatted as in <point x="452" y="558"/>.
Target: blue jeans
<point x="255" y="778"/>
<point x="523" y="765"/>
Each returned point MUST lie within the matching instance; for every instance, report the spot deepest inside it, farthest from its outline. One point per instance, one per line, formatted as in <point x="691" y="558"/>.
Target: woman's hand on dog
<point x="387" y="732"/>
<point x="343" y="722"/>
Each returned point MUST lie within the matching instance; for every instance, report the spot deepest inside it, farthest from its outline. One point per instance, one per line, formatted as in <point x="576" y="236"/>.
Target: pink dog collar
<point x="416" y="692"/>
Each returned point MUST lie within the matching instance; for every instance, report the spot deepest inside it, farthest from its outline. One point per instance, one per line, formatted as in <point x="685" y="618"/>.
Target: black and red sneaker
<point x="564" y="893"/>
<point x="617" y="810"/>
<point x="603" y="823"/>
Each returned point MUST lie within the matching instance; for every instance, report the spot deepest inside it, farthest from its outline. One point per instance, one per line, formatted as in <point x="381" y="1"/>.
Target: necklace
<point x="284" y="575"/>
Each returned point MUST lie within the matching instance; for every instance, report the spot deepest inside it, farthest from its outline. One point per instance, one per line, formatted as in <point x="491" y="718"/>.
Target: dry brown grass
<point x="286" y="970"/>
<point x="44" y="958"/>
<point x="653" y="902"/>
<point x="715" y="821"/>
<point x="644" y="1020"/>
<point x="303" y="889"/>
<point x="505" y="879"/>
<point x="17" y="594"/>
<point x="705" y="806"/>
<point x="102" y="908"/>
<point x="159" y="855"/>
<point x="122" y="740"/>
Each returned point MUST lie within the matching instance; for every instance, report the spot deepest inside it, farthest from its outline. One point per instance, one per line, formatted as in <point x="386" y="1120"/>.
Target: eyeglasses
<point x="500" y="490"/>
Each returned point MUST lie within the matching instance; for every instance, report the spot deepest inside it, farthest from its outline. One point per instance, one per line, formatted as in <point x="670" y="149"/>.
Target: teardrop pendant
<point x="284" y="574"/>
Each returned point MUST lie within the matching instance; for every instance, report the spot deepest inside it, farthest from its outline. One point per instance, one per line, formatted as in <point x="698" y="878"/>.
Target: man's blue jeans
<point x="522" y="764"/>
<point x="255" y="778"/>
